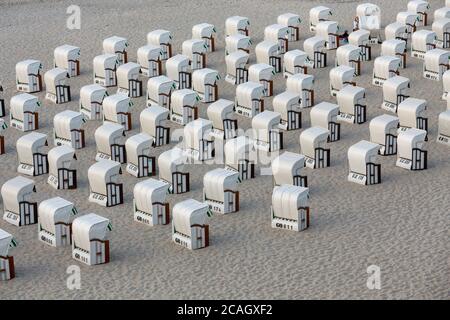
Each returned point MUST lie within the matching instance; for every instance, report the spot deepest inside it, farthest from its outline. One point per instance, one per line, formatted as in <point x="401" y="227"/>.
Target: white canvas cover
<point x="359" y="38"/>
<point x="64" y="54"/>
<point x="153" y="117"/>
<point x="294" y="58"/>
<point x="238" y="59"/>
<point x="248" y="91"/>
<point x="384" y="66"/>
<point x="138" y="145"/>
<point x="409" y="139"/>
<point x="101" y="173"/>
<point x="203" y="77"/>
<point x="435" y="59"/>
<point x="182" y="98"/>
<point x="55" y="77"/>
<point x="159" y="85"/>
<point x="203" y="30"/>
<point x="312" y="138"/>
<point x="313" y="45"/>
<point x="103" y="62"/>
<point x="341" y="76"/>
<point x="395" y="30"/>
<point x="196" y="131"/>
<point x="66" y="121"/>
<point x="236" y="24"/>
<point x="286" y="166"/>
<point x="175" y="65"/>
<point x="360" y="154"/>
<point x="23" y="102"/>
<point x="382" y="125"/>
<point x="393" y="47"/>
<point x="348" y="97"/>
<point x="237" y="42"/>
<point x="441" y="26"/>
<point x="29" y="144"/>
<point x="287" y="199"/>
<point x="5" y="242"/>
<point x="92" y="93"/>
<point x="216" y="181"/>
<point x="286" y="101"/>
<point x="60" y="157"/>
<point x="446" y="84"/>
<point x="422" y="40"/>
<point x="409" y="110"/>
<point x="239" y="148"/>
<point x="149" y="191"/>
<point x="444" y="123"/>
<point x="220" y="110"/>
<point x="408" y="18"/>
<point x="106" y="135"/>
<point x="126" y="72"/>
<point x="114" y="45"/>
<point x="171" y="161"/>
<point x="369" y="16"/>
<point x="115" y="104"/>
<point x="25" y="68"/>
<point x="89" y="227"/>
<point x="266" y="49"/>
<point x="393" y="87"/>
<point x="442" y="13"/>
<point x="324" y="113"/>
<point x="289" y="20"/>
<point x="263" y="123"/>
<point x="299" y="82"/>
<point x="326" y="28"/>
<point x="159" y="37"/>
<point x="16" y="190"/>
<point x="318" y="14"/>
<point x="260" y="71"/>
<point x="193" y="46"/>
<point x="276" y="32"/>
<point x="148" y="53"/>
<point x="347" y="53"/>
<point x="54" y="210"/>
<point x="418" y="6"/>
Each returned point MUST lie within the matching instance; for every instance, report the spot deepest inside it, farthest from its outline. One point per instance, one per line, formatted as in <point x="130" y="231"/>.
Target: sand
<point x="400" y="225"/>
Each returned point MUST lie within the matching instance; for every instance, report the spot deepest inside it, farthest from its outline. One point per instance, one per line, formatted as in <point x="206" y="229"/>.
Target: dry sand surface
<point x="400" y="225"/>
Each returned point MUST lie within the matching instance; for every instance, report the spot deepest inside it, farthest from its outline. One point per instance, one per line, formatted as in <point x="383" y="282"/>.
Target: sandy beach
<point x="400" y="225"/>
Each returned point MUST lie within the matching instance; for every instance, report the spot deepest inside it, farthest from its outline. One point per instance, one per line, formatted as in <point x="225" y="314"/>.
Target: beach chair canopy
<point x="324" y="113"/>
<point x="348" y="97"/>
<point x="422" y="39"/>
<point x="64" y="54"/>
<point x="27" y="67"/>
<point x="393" y="47"/>
<point x="216" y="181"/>
<point x="392" y="87"/>
<point x="435" y="59"/>
<point x="266" y="49"/>
<point x="294" y="58"/>
<point x="203" y="30"/>
<point x="235" y="23"/>
<point x="395" y="30"/>
<point x="286" y="166"/>
<point x="444" y="123"/>
<point x="193" y="46"/>
<point x="115" y="44"/>
<point x="126" y="72"/>
<point x="21" y="103"/>
<point x="159" y="37"/>
<point x="341" y="75"/>
<point x="148" y="192"/>
<point x="408" y="111"/>
<point x="289" y="20"/>
<point x="60" y="157"/>
<point x="249" y="91"/>
<point x="148" y="53"/>
<point x="260" y="71"/>
<point x="384" y="65"/>
<point x="359" y="38"/>
<point x="66" y="121"/>
<point x="5" y="242"/>
<point x="220" y="110"/>
<point x="274" y="32"/>
<point x="114" y="104"/>
<point x="312" y="138"/>
<point x="55" y="77"/>
<point x="313" y="45"/>
<point x="188" y="213"/>
<point x="138" y="145"/>
<point x="408" y="140"/>
<point x="196" y="131"/>
<point x="441" y="26"/>
<point x="175" y="65"/>
<point x="325" y="28"/>
<point x="101" y="173"/>
<point x="87" y="228"/>
<point x="287" y="200"/>
<point x="299" y="82"/>
<point x="29" y="144"/>
<point x="16" y="190"/>
<point x="238" y="149"/>
<point x="286" y="101"/>
<point x="92" y="93"/>
<point x="159" y="85"/>
<point x="264" y="122"/>
<point x="182" y="98"/>
<point x="108" y="134"/>
<point x="441" y="13"/>
<point x="347" y="53"/>
<point x="237" y="42"/>
<point x="382" y="125"/>
<point x="407" y="18"/>
<point x="318" y="14"/>
<point x="104" y="62"/>
<point x="54" y="211"/>
<point x="202" y="77"/>
<point x="418" y="6"/>
<point x="153" y="117"/>
<point x="171" y="161"/>
<point x="237" y="59"/>
<point x="360" y="154"/>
